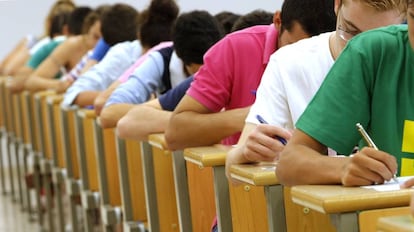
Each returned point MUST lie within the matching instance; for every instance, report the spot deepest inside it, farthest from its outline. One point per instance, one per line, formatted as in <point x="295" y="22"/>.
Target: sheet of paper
<point x="389" y="185"/>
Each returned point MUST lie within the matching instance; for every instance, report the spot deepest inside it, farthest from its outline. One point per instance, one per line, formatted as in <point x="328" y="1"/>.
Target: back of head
<point x="227" y="20"/>
<point x="77" y="17"/>
<point x="158" y="21"/>
<point x="315" y="16"/>
<point x="57" y="24"/>
<point x="93" y="17"/>
<point x="61" y="7"/>
<point x="119" y="24"/>
<point x="193" y="34"/>
<point x="256" y="17"/>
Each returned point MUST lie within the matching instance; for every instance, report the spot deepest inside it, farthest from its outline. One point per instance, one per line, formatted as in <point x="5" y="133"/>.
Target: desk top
<point x="402" y="223"/>
<point x="207" y="156"/>
<point x="158" y="140"/>
<point x="259" y="174"/>
<point x="337" y="199"/>
<point x="87" y="113"/>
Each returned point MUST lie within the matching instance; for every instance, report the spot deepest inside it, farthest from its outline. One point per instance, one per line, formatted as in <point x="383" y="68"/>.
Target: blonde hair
<point x="59" y="7"/>
<point x="384" y="5"/>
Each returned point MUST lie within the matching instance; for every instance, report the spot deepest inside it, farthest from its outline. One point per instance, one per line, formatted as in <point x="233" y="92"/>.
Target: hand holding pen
<point x="370" y="143"/>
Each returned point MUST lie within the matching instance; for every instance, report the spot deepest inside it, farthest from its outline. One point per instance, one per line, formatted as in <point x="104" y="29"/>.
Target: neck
<point x="334" y="46"/>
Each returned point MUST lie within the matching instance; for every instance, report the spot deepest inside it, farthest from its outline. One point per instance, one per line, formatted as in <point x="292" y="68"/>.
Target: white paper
<point x="389" y="185"/>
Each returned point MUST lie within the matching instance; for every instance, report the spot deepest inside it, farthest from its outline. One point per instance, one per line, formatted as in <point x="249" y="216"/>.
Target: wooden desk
<point x="344" y="204"/>
<point x="239" y="208"/>
<point x="401" y="223"/>
<point x="283" y="215"/>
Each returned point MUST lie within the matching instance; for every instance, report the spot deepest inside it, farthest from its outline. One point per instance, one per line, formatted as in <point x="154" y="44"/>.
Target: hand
<point x="259" y="146"/>
<point x="15" y="85"/>
<point x="99" y="102"/>
<point x="64" y="85"/>
<point x="369" y="166"/>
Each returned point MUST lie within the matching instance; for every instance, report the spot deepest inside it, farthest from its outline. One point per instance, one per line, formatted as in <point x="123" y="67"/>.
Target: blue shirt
<point x="172" y="97"/>
<point x="100" y="50"/>
<point x="119" y="58"/>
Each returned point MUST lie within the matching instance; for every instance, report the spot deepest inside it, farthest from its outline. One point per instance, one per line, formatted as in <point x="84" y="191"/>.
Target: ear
<point x="337" y="5"/>
<point x="277" y="21"/>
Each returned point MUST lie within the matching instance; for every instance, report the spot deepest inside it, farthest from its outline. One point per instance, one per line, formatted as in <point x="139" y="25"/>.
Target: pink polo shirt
<point x="232" y="70"/>
<point x="124" y="77"/>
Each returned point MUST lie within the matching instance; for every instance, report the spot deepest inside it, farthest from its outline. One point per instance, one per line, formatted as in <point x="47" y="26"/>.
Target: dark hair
<point x="77" y="18"/>
<point x="193" y="34"/>
<point x="93" y="17"/>
<point x="256" y="17"/>
<point x="315" y="16"/>
<point x="157" y="24"/>
<point x="119" y="24"/>
<point x="227" y="20"/>
<point x="57" y="23"/>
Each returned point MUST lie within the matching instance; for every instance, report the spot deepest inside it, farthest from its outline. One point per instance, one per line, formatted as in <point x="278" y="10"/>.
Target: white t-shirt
<point x="292" y="77"/>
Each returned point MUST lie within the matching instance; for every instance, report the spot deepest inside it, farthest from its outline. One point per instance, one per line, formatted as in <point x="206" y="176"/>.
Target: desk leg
<point x="149" y="183"/>
<point x="221" y="190"/>
<point x="345" y="222"/>
<point x="181" y="191"/>
<point x="275" y="208"/>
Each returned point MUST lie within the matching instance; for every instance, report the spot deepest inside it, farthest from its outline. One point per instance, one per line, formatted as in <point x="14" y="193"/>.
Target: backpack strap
<point x="166" y="54"/>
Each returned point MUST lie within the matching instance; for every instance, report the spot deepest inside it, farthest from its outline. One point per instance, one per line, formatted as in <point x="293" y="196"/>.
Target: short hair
<point x="93" y="17"/>
<point x="119" y="24"/>
<point x="227" y="20"/>
<point x="256" y="17"/>
<point x="410" y="3"/>
<point x="383" y="5"/>
<point x="193" y="34"/>
<point x="315" y="16"/>
<point x="158" y="22"/>
<point x="57" y="23"/>
<point x="77" y="18"/>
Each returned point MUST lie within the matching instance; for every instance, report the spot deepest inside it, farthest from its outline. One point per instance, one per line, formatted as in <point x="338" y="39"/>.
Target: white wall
<point x="21" y="17"/>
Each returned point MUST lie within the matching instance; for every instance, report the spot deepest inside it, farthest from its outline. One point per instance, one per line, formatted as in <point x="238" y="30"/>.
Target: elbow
<point x="122" y="129"/>
<point x="170" y="138"/>
<point x="284" y="171"/>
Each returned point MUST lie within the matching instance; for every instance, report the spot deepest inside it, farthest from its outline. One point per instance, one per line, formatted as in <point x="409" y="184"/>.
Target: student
<point x="153" y="117"/>
<point x="290" y="82"/>
<point x="69" y="25"/>
<point x="193" y="34"/>
<point x="66" y="56"/>
<point x="218" y="100"/>
<point x="154" y="34"/>
<point x="17" y="58"/>
<point x="119" y="58"/>
<point x="227" y="20"/>
<point x="254" y="18"/>
<point x="370" y="83"/>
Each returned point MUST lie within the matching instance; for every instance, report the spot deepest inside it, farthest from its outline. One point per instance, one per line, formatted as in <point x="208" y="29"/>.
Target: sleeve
<point x="271" y="103"/>
<point x="146" y="79"/>
<point x="342" y="101"/>
<point x="172" y="97"/>
<point x="212" y="83"/>
<point x="101" y="75"/>
<point x="100" y="50"/>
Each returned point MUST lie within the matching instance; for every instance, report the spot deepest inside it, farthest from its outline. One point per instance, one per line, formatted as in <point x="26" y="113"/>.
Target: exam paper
<point x="389" y="185"/>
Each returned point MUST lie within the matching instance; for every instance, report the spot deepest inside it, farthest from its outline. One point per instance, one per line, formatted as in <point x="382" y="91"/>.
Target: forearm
<point x="299" y="165"/>
<point x="110" y="115"/>
<point x="142" y="121"/>
<point x="86" y="98"/>
<point x="35" y="83"/>
<point x="103" y="97"/>
<point x="190" y="129"/>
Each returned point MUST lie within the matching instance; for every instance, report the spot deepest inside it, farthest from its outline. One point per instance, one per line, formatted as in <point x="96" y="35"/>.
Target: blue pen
<point x="261" y="120"/>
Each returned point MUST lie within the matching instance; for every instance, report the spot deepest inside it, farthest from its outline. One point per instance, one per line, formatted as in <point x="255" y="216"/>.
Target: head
<point x="256" y="17"/>
<point x="91" y="28"/>
<point x="304" y="18"/>
<point x="356" y="16"/>
<point x="59" y="24"/>
<point x="193" y="34"/>
<point x="77" y="17"/>
<point x="410" y="21"/>
<point x="119" y="24"/>
<point x="60" y="9"/>
<point x="157" y="22"/>
<point x="227" y="20"/>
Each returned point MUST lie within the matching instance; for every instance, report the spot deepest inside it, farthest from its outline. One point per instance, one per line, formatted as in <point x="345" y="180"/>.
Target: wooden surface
<point x="401" y="223"/>
<point x="111" y="166"/>
<point x="136" y="180"/>
<point x="57" y="120"/>
<point x="336" y="198"/>
<point x="88" y="117"/>
<point x="259" y="174"/>
<point x="164" y="184"/>
<point x="72" y="143"/>
<point x="208" y="156"/>
<point x="367" y="219"/>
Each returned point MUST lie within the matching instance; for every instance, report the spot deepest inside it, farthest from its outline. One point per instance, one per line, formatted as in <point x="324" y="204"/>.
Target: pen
<point x="261" y="120"/>
<point x="370" y="143"/>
